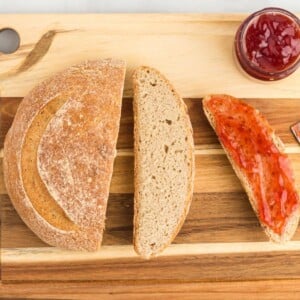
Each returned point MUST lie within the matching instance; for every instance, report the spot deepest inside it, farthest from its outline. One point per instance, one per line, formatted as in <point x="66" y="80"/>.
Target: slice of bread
<point x="60" y="150"/>
<point x="293" y="219"/>
<point x="164" y="162"/>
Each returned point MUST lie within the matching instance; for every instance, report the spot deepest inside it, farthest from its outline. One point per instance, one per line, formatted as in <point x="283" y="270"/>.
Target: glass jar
<point x="267" y="44"/>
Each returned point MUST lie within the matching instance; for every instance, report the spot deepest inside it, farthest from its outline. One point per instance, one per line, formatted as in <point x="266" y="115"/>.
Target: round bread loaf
<point x="59" y="153"/>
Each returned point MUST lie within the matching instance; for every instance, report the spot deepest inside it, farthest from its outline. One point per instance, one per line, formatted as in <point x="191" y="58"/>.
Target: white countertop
<point x="143" y="6"/>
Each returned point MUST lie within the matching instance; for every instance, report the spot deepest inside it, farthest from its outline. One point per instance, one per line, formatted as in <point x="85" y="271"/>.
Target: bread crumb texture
<point x="164" y="161"/>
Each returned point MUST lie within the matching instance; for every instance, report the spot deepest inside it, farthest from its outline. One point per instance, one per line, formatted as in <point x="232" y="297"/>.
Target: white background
<point x="146" y="6"/>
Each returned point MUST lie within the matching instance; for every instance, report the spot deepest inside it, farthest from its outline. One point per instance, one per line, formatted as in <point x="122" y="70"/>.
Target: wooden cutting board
<point x="221" y="239"/>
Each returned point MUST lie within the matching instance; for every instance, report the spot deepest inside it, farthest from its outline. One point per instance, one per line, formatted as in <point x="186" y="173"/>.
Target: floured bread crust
<point x="63" y="142"/>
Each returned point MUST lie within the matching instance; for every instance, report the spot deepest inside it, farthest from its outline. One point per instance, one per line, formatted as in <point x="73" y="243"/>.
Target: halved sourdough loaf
<point x="293" y="218"/>
<point x="59" y="153"/>
<point x="164" y="162"/>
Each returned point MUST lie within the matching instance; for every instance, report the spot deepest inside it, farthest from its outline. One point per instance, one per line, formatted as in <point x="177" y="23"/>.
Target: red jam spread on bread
<point x="272" y="41"/>
<point x="247" y="137"/>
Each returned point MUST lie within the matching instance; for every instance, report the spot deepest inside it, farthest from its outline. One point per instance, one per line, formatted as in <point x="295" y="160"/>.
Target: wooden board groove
<point x="51" y="254"/>
<point x="216" y="267"/>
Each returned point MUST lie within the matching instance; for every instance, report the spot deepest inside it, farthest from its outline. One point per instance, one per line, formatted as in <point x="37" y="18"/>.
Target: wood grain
<point x="193" y="50"/>
<point x="220" y="266"/>
<point x="167" y="289"/>
<point x="221" y="238"/>
<point x="213" y="218"/>
<point x="204" y="137"/>
<point x="223" y="179"/>
<point x="220" y="217"/>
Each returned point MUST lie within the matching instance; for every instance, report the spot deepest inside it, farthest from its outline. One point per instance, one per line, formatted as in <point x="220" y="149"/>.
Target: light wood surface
<point x="188" y="48"/>
<point x="221" y="239"/>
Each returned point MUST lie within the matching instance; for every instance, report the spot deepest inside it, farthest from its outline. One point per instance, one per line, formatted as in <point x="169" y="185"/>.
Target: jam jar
<point x="267" y="44"/>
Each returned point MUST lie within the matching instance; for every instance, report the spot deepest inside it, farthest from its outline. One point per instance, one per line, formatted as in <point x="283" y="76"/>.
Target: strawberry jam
<point x="246" y="136"/>
<point x="268" y="44"/>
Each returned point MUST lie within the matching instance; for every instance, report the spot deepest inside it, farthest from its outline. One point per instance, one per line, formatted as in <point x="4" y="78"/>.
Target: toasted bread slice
<point x="164" y="162"/>
<point x="292" y="217"/>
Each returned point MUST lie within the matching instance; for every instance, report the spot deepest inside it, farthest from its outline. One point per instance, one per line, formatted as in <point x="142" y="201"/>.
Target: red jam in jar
<point x="267" y="44"/>
<point x="247" y="137"/>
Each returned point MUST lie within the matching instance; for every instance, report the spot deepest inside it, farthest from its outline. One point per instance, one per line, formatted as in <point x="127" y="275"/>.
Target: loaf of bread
<point x="164" y="162"/>
<point x="59" y="153"/>
<point x="258" y="159"/>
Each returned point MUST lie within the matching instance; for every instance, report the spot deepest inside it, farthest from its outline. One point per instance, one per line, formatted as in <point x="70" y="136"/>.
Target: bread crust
<point x="293" y="220"/>
<point x="79" y="138"/>
<point x="190" y="142"/>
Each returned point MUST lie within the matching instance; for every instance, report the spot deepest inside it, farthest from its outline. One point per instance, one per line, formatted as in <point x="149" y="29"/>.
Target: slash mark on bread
<point x="35" y="188"/>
